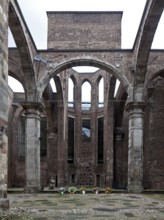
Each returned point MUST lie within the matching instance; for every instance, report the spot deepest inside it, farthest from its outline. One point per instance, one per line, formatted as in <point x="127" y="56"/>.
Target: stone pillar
<point x="3" y="162"/>
<point x="135" y="148"/>
<point x="62" y="158"/>
<point x="4" y="100"/>
<point x="32" y="145"/>
<point x="108" y="132"/>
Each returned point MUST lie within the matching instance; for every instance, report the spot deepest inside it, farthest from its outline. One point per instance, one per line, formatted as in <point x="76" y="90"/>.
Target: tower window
<point x="86" y="96"/>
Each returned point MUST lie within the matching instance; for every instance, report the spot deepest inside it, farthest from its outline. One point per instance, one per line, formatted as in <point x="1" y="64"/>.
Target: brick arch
<point x="18" y="111"/>
<point x="86" y="80"/>
<point x="25" y="46"/>
<point x="155" y="79"/>
<point x="155" y="74"/>
<point x="59" y="88"/>
<point x="151" y="16"/>
<point x="80" y="62"/>
<point x="99" y="78"/>
<point x="58" y="85"/>
<point x="73" y="78"/>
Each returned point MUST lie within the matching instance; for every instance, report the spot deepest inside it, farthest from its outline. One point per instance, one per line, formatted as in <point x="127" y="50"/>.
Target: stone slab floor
<point x="117" y="206"/>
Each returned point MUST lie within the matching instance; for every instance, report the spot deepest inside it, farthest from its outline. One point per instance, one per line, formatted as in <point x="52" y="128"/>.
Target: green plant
<point x="83" y="189"/>
<point x="72" y="189"/>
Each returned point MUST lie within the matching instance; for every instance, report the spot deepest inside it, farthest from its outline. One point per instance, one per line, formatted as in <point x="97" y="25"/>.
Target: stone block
<point x="4" y="204"/>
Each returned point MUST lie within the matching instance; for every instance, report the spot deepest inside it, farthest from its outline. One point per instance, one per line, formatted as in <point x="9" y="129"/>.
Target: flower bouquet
<point x="83" y="190"/>
<point x="62" y="190"/>
<point x="96" y="190"/>
<point x="72" y="189"/>
<point x="108" y="190"/>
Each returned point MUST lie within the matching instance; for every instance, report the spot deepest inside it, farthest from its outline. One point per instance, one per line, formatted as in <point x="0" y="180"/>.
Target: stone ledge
<point x="4" y="204"/>
<point x="34" y="189"/>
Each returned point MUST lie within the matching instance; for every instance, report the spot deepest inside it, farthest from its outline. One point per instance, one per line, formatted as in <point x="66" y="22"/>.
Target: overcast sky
<point x="34" y="12"/>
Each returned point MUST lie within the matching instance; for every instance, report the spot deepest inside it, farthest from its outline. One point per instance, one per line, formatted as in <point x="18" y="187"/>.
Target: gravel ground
<point x="117" y="206"/>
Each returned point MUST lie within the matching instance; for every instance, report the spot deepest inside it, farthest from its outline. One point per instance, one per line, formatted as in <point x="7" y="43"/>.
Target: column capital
<point x="33" y="105"/>
<point x="135" y="105"/>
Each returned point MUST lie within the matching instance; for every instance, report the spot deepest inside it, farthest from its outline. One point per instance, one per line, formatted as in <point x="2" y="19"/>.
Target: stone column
<point x="108" y="132"/>
<point x="4" y="100"/>
<point x="62" y="157"/>
<point x="3" y="162"/>
<point x="135" y="148"/>
<point x="32" y="145"/>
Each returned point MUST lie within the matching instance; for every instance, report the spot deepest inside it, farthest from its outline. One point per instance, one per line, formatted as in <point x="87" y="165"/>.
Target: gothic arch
<point x="73" y="78"/>
<point x="86" y="80"/>
<point x="99" y="78"/>
<point x="156" y="74"/>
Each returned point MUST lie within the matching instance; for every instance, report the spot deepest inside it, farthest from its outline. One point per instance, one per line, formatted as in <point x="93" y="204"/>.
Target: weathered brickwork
<point x="4" y="59"/>
<point x="38" y="121"/>
<point x="85" y="170"/>
<point x="76" y="30"/>
<point x="154" y="135"/>
<point x="4" y="100"/>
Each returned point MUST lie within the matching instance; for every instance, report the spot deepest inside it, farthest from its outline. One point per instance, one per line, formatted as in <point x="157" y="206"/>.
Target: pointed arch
<point x="86" y="95"/>
<point x="71" y="92"/>
<point x="101" y="92"/>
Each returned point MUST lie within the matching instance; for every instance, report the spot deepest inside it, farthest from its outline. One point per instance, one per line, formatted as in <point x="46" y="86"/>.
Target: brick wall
<point x="75" y="30"/>
<point x="154" y="136"/>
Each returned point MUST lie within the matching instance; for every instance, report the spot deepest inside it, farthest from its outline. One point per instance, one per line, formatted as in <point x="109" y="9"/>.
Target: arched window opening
<point x="86" y="96"/>
<point x="70" y="93"/>
<point x="116" y="87"/>
<point x="101" y="93"/>
<point x="53" y="85"/>
<point x="15" y="85"/>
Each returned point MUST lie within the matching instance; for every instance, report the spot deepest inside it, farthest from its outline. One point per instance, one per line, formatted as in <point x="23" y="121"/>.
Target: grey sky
<point x="34" y="12"/>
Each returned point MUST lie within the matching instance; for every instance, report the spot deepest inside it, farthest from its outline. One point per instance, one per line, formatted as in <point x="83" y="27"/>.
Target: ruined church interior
<point x="103" y="126"/>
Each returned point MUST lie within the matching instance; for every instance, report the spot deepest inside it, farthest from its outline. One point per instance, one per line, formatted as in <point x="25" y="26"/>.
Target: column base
<point x="4" y="204"/>
<point x="135" y="188"/>
<point x="32" y="189"/>
<point x="108" y="180"/>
